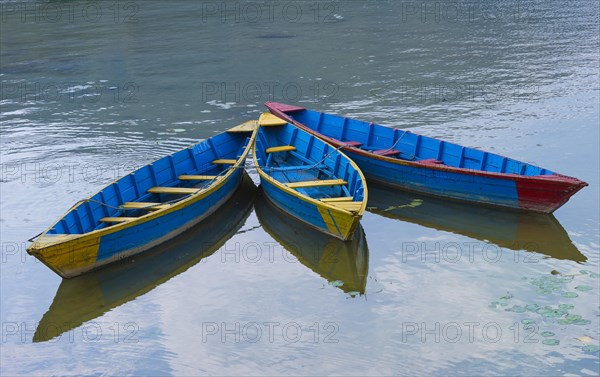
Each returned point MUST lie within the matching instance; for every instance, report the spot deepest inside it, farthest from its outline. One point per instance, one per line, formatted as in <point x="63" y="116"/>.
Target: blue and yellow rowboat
<point x="343" y="264"/>
<point x="89" y="296"/>
<point x="308" y="178"/>
<point x="148" y="206"/>
<point x="418" y="163"/>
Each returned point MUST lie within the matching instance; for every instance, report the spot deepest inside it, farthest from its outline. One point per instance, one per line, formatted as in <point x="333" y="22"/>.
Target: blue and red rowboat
<point x="308" y="178"/>
<point x="423" y="164"/>
<point x="148" y="206"/>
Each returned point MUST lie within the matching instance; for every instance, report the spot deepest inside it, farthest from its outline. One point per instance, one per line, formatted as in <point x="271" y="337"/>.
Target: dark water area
<point x="93" y="90"/>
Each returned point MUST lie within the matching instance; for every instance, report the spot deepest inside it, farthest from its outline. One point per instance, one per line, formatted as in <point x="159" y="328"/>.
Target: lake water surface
<point x="92" y="90"/>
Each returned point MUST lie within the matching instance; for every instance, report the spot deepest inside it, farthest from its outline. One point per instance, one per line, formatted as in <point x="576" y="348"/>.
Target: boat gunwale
<point x="555" y="178"/>
<point x="183" y="203"/>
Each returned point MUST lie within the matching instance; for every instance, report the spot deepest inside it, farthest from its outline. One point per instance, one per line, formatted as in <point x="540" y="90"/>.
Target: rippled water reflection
<point x="429" y="287"/>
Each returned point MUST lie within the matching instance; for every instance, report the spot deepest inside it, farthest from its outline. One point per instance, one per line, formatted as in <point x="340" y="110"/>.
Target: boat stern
<point x="68" y="255"/>
<point x="545" y="194"/>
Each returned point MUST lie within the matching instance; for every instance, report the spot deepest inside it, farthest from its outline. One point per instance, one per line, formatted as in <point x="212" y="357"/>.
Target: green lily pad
<point x="566" y="306"/>
<point x="532" y="307"/>
<point x="573" y="317"/>
<point x="336" y="283"/>
<point x="595" y="275"/>
<point x="551" y="342"/>
<point x="516" y="309"/>
<point x="553" y="313"/>
<point x="583" y="272"/>
<point x="528" y="321"/>
<point x="591" y="348"/>
<point x="570" y="294"/>
<point x="547" y="334"/>
<point x="582" y="322"/>
<point x="583" y="288"/>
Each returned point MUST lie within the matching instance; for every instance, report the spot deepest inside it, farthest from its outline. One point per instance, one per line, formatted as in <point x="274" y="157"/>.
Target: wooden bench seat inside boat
<point x="224" y="162"/>
<point x="197" y="177"/>
<point x="349" y="143"/>
<point x="117" y="219"/>
<point x="317" y="183"/>
<point x="144" y="205"/>
<point x="348" y="206"/>
<point x="283" y="148"/>
<point x="173" y="190"/>
<point x="387" y="152"/>
<point x="340" y="199"/>
<point x="430" y="161"/>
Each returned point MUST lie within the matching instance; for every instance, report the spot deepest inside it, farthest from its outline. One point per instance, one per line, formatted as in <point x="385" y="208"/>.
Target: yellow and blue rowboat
<point x="308" y="178"/>
<point x="90" y="296"/>
<point x="148" y="206"/>
<point x="344" y="265"/>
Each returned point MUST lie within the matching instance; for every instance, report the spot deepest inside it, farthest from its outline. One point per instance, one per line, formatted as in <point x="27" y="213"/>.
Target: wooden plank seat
<point x="348" y="206"/>
<point x="387" y="152"/>
<point x="224" y="162"/>
<point x="173" y="190"/>
<point x="430" y="161"/>
<point x="144" y="205"/>
<point x="322" y="182"/>
<point x="349" y="143"/>
<point x="117" y="219"/>
<point x="283" y="148"/>
<point x="296" y="167"/>
<point x="197" y="177"/>
<point x="335" y="200"/>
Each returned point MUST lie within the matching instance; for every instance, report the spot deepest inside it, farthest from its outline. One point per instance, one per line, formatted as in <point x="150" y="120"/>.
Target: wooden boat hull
<point x="72" y="253"/>
<point x="343" y="263"/>
<point x="438" y="168"/>
<point x="87" y="297"/>
<point x="336" y="223"/>
<point x="328" y="218"/>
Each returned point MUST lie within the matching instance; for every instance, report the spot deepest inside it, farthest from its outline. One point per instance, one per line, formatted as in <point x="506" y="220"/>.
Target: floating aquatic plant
<point x="570" y="294"/>
<point x="516" y="309"/>
<point x="591" y="348"/>
<point x="551" y="342"/>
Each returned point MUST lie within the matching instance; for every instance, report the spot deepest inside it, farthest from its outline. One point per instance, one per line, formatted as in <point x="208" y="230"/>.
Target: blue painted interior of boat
<point x="404" y="145"/>
<point x="312" y="160"/>
<point x="194" y="160"/>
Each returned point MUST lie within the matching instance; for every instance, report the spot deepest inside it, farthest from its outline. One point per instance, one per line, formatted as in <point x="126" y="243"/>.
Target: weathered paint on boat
<point x="344" y="263"/>
<point x="322" y="172"/>
<point x="423" y="164"/>
<point x="89" y="296"/>
<point x="85" y="239"/>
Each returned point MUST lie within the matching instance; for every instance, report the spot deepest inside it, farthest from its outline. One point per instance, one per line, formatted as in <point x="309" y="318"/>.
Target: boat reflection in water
<point x="343" y="264"/>
<point x="514" y="230"/>
<point x="89" y="296"/>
